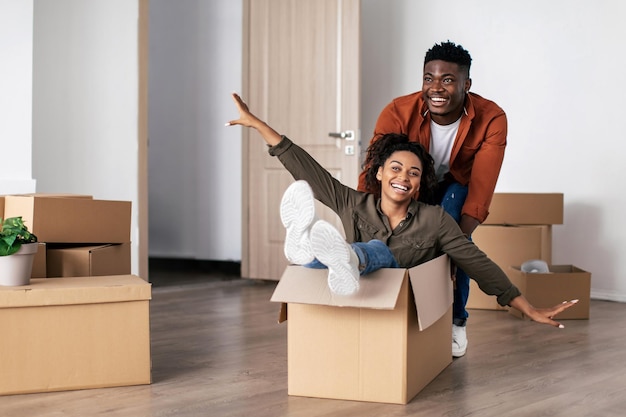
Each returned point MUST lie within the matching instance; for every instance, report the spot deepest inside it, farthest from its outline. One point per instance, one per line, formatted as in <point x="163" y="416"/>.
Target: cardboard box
<point x="88" y="261"/>
<point x="384" y="344"/>
<point x="74" y="333"/>
<point x="562" y="283"/>
<point x="72" y="220"/>
<point x="525" y="208"/>
<point x="39" y="262"/>
<point x="506" y="246"/>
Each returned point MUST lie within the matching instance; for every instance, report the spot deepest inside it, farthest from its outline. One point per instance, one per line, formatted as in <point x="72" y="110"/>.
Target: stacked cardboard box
<point x="79" y="235"/>
<point x="384" y="344"/>
<point x="90" y="329"/>
<point x="74" y="333"/>
<point x="518" y="229"/>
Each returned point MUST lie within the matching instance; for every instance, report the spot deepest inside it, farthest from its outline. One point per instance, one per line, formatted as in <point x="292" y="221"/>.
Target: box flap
<point x="80" y="290"/>
<point x="300" y="285"/>
<point x="432" y="288"/>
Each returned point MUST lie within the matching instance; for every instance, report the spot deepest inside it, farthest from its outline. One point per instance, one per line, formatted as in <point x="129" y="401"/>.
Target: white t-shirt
<point x="441" y="142"/>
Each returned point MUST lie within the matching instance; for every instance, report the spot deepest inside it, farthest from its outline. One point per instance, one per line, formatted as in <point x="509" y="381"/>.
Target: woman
<point x="392" y="227"/>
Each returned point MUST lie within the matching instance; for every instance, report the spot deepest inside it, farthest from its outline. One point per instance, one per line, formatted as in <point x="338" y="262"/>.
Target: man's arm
<point x="485" y="171"/>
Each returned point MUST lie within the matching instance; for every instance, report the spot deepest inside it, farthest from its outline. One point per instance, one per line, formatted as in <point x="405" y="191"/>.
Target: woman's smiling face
<point x="400" y="176"/>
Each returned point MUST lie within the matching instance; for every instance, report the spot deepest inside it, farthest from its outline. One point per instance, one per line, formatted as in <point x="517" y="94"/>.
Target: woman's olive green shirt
<point x="426" y="233"/>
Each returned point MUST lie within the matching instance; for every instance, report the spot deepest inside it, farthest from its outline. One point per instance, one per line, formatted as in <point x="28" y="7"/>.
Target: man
<point x="466" y="135"/>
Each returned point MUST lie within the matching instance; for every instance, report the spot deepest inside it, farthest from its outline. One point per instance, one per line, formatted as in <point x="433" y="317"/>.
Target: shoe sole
<point x="459" y="354"/>
<point x="297" y="212"/>
<point x="331" y="249"/>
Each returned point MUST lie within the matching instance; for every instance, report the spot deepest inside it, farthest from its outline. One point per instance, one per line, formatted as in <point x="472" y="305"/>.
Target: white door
<point x="301" y="75"/>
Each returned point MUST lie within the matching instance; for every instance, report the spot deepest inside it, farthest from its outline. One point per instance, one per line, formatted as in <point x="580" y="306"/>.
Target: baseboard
<point x="608" y="296"/>
<point x="168" y="270"/>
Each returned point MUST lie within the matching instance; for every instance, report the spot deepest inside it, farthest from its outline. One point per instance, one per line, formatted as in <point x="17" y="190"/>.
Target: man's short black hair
<point x="449" y="52"/>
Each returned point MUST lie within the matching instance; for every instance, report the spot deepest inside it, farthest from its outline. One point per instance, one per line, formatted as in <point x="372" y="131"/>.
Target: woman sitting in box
<point x="388" y="230"/>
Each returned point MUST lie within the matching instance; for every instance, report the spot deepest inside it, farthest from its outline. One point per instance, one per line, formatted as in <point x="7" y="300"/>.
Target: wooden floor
<point x="218" y="351"/>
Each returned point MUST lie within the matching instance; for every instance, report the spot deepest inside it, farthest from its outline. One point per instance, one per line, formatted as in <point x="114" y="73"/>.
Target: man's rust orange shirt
<point x="478" y="149"/>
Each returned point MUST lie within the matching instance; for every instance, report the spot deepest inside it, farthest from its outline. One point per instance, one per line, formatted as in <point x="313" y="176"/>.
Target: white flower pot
<point x="16" y="269"/>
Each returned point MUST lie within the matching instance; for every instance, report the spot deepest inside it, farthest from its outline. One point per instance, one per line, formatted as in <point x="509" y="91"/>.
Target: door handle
<point x="346" y="134"/>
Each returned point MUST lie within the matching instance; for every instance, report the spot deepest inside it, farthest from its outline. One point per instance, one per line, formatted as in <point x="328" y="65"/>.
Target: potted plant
<point x="17" y="250"/>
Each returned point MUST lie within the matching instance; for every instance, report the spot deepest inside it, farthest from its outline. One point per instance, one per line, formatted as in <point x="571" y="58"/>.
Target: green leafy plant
<point x="13" y="234"/>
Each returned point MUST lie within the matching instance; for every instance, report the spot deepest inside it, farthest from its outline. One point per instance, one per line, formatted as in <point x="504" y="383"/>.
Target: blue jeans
<point x="452" y="202"/>
<point x="373" y="255"/>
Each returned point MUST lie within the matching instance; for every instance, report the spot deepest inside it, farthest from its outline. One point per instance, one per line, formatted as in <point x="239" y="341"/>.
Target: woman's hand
<point x="245" y="117"/>
<point x="248" y="119"/>
<point x="541" y="315"/>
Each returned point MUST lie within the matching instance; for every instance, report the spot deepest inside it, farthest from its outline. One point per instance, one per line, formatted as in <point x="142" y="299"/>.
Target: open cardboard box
<point x="506" y="246"/>
<point x="562" y="283"/>
<point x="74" y="333"/>
<point x="383" y="344"/>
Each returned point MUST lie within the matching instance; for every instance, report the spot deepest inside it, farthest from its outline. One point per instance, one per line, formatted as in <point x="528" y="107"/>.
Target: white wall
<point x="16" y="45"/>
<point x="194" y="161"/>
<point x="555" y="67"/>
<point x="85" y="100"/>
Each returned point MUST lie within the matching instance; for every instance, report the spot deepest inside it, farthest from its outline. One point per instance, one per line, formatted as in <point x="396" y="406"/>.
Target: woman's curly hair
<point x="381" y="149"/>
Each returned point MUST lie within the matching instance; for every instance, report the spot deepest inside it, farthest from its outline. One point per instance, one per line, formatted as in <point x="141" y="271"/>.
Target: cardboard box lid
<point x="78" y="290"/>
<point x="431" y="284"/>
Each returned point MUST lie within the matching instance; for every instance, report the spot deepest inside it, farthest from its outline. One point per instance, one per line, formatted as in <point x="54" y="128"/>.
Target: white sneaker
<point x="297" y="213"/>
<point x="331" y="249"/>
<point x="459" y="341"/>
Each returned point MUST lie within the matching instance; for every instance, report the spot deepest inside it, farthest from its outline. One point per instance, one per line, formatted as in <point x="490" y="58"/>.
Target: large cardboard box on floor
<point x="525" y="208"/>
<point x="506" y="246"/>
<point x="65" y="219"/>
<point x="74" y="333"/>
<point x="562" y="283"/>
<point x="88" y="261"/>
<point x="383" y="344"/>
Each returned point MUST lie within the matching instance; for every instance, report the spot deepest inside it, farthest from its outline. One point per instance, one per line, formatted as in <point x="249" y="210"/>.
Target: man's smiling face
<point x="444" y="86"/>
